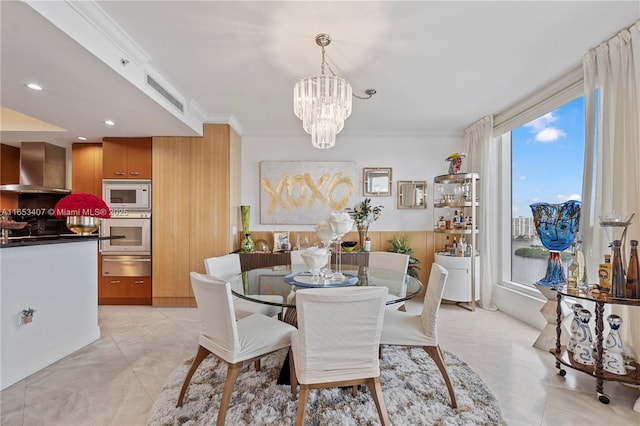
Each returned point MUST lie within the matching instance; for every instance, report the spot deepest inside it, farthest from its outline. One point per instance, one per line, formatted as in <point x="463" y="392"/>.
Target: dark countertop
<point x="52" y="239"/>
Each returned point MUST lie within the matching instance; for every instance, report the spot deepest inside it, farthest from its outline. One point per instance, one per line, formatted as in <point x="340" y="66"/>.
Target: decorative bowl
<point x="349" y="245"/>
<point x="83" y="225"/>
<point x="261" y="246"/>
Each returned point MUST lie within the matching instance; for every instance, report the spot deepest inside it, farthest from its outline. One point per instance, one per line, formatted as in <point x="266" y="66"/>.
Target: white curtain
<point x="483" y="157"/>
<point x="612" y="152"/>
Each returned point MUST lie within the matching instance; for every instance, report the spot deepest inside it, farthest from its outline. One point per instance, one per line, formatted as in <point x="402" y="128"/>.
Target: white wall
<point x="411" y="158"/>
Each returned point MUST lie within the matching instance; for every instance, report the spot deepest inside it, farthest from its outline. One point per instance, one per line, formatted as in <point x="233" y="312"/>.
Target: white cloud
<point x="550" y="134"/>
<point x="541" y="122"/>
<point x="543" y="130"/>
<point x="562" y="197"/>
<point x="522" y="178"/>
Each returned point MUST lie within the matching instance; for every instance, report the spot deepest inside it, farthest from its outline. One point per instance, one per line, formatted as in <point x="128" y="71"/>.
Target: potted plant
<point x="363" y="215"/>
<point x="400" y="244"/>
<point x="27" y="315"/>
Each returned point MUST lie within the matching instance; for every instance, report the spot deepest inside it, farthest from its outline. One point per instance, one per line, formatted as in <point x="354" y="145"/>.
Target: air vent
<point x="164" y="93"/>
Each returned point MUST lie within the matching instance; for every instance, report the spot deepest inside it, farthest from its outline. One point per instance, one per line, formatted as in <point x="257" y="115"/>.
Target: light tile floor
<point x="114" y="380"/>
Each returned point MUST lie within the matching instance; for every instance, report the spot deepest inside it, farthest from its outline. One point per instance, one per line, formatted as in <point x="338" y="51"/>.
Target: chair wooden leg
<point x="233" y="370"/>
<point x="436" y="355"/>
<point x="379" y="351"/>
<point x="376" y="393"/>
<point x="292" y="376"/>
<point x="256" y="364"/>
<point x="354" y="390"/>
<point x="302" y="404"/>
<point x="200" y="356"/>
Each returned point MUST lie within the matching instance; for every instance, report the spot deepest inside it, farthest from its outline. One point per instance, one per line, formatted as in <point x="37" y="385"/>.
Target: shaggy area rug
<point x="413" y="389"/>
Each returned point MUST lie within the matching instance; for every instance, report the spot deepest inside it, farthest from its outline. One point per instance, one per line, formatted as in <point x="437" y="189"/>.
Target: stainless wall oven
<point x="135" y="233"/>
<point x="129" y="255"/>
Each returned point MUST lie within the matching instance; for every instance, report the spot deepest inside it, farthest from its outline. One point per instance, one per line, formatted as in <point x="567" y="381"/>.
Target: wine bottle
<point x="618" y="282"/>
<point x="633" y="286"/>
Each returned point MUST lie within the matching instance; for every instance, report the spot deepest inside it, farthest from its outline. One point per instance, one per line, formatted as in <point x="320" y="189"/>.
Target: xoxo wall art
<point x="304" y="192"/>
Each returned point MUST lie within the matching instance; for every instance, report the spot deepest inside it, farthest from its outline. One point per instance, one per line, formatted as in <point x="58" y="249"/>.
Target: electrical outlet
<point x="234" y="230"/>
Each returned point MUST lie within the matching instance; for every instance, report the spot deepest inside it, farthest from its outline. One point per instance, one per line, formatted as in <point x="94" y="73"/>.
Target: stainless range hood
<point x="42" y="170"/>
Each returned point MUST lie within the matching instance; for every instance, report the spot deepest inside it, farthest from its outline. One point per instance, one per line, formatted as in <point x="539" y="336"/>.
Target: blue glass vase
<point x="556" y="225"/>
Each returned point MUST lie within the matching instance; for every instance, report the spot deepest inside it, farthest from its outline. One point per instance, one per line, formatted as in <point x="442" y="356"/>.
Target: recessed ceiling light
<point x="82" y="138"/>
<point x="34" y="86"/>
<point x="109" y="122"/>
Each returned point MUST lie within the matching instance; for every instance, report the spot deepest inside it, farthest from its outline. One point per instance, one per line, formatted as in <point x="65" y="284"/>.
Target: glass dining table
<point x="285" y="280"/>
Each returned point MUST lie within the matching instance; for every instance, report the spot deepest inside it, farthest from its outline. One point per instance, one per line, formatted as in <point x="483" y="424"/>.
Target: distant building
<point x="522" y="228"/>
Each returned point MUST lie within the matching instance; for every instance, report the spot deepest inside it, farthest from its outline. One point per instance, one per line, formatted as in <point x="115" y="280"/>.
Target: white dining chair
<point x="404" y="329"/>
<point x="228" y="266"/>
<point x="295" y="257"/>
<point x="396" y="262"/>
<point x="231" y="341"/>
<point x="336" y="343"/>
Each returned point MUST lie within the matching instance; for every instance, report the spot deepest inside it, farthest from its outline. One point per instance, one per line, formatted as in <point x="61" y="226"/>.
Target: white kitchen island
<point x="59" y="279"/>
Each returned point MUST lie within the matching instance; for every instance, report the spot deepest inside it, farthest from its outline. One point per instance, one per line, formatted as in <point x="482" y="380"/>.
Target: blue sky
<point x="547" y="158"/>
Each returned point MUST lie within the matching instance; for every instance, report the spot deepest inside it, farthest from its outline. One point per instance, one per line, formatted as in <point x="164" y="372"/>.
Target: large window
<point x="546" y="166"/>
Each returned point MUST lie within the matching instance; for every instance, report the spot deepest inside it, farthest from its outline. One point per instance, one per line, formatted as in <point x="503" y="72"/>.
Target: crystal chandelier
<point x="322" y="102"/>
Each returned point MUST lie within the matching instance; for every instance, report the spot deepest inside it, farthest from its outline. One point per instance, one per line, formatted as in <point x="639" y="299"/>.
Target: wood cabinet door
<point x="114" y="158"/>
<point x="139" y="158"/>
<point x="86" y="168"/>
<point x="9" y="173"/>
<point x="124" y="291"/>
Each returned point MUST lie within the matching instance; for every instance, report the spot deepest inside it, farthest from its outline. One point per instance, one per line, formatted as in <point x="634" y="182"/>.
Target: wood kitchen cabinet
<point x="9" y="173"/>
<point x="86" y="168"/>
<point x="126" y="158"/>
<point x="124" y="291"/>
<point x="196" y="199"/>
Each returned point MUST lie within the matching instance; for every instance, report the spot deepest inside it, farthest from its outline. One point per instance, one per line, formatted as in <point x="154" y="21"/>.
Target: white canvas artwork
<point x="304" y="192"/>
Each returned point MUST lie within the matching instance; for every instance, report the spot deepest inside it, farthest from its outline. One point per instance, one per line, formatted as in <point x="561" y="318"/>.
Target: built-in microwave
<point x="124" y="195"/>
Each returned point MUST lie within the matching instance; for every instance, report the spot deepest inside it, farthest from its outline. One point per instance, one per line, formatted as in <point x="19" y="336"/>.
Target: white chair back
<point x="217" y="315"/>
<point x="295" y="257"/>
<point x="435" y="288"/>
<point x="223" y="267"/>
<point x="388" y="260"/>
<point x="338" y="333"/>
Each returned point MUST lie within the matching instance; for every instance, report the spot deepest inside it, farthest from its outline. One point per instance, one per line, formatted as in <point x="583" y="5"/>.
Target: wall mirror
<point x="377" y="182"/>
<point x="412" y="194"/>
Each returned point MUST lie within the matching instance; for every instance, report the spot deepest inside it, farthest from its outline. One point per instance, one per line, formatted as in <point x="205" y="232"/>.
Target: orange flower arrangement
<point x="81" y="205"/>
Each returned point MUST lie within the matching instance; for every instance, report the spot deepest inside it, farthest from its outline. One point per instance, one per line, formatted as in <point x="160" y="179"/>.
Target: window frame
<point x="556" y="94"/>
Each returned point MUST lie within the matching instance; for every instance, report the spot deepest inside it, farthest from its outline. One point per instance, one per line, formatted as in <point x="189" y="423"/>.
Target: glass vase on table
<point x="340" y="224"/>
<point x="326" y="236"/>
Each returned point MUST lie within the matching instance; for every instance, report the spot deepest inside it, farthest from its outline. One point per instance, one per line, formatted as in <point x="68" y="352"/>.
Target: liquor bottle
<point x="604" y="274"/>
<point x="633" y="286"/>
<point x="618" y="282"/>
<point x="572" y="272"/>
<point x="577" y="269"/>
